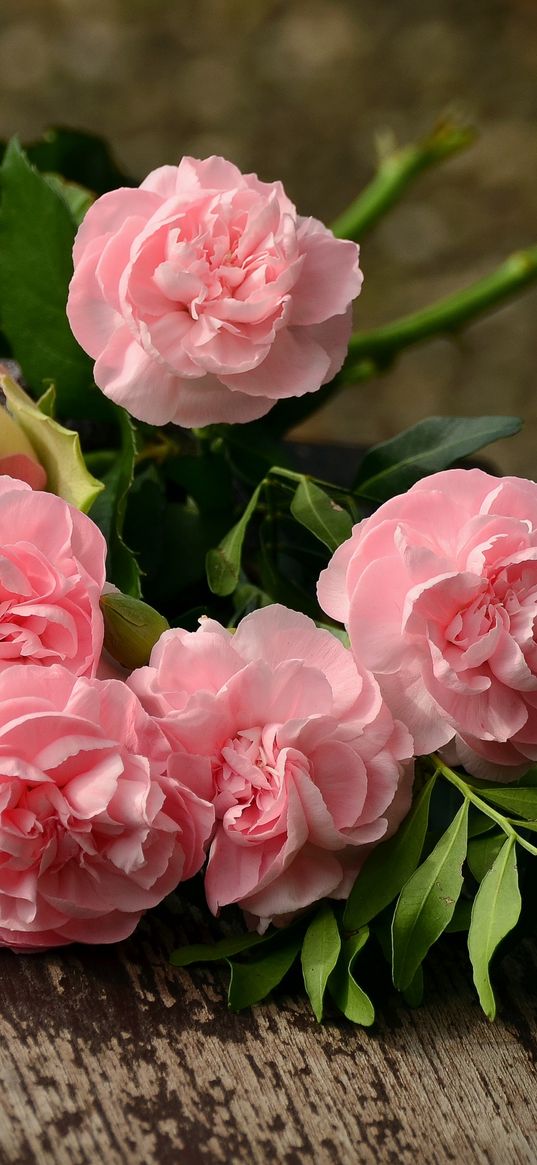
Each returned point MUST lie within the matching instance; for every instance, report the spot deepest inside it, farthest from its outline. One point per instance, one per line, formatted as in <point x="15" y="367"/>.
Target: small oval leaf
<point x="389" y="866"/>
<point x="482" y="853"/>
<point x="224" y="563"/>
<point x="518" y="799"/>
<point x="252" y="981"/>
<point x="431" y="445"/>
<point x="320" y="951"/>
<point x="322" y="516"/>
<point x="427" y="901"/>
<point x="212" y="952"/>
<point x="345" y="991"/>
<point x="495" y="912"/>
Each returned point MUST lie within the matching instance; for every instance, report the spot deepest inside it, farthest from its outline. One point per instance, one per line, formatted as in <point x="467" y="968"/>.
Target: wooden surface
<point x="110" y="1055"/>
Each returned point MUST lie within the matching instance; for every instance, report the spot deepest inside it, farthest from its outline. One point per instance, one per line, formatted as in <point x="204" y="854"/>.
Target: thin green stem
<point x="158" y="450"/>
<point x="395" y="172"/>
<point x="380" y="347"/>
<point x="470" y="794"/>
<point x="298" y="477"/>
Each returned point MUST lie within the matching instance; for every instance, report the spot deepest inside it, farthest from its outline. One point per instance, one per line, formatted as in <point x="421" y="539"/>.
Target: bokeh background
<point x="301" y="90"/>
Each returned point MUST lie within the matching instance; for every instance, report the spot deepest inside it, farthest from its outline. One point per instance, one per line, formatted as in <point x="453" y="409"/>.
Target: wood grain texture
<point x="111" y="1055"/>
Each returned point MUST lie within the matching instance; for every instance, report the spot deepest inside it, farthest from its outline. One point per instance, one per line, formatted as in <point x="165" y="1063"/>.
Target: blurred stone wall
<point x="299" y="89"/>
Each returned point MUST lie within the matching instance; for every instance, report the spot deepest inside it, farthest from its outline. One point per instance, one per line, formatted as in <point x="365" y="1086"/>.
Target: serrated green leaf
<point x="482" y="853"/>
<point x="108" y="511"/>
<point x="225" y="948"/>
<point x="342" y="986"/>
<point x="390" y="865"/>
<point x="431" y="445"/>
<point x="252" y="981"/>
<point x="322" y="516"/>
<point x="37" y="231"/>
<point x="428" y="899"/>
<point x="57" y="449"/>
<point x="496" y="911"/>
<point x="78" y="198"/>
<point x="79" y="156"/>
<point x="320" y="951"/>
<point x="131" y="629"/>
<point x="224" y="563"/>
<point x="517" y="799"/>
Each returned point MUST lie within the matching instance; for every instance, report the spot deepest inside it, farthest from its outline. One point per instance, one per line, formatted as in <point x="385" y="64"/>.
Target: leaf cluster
<point x="414" y="888"/>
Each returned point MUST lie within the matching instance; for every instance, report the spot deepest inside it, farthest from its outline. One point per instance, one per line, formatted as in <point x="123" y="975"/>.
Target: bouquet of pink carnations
<point x="320" y="698"/>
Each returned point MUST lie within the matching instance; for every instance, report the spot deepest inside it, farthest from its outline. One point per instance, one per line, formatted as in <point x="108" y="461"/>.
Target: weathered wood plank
<point x="110" y="1054"/>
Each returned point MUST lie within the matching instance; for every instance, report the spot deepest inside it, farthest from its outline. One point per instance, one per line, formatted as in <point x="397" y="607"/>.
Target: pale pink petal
<point x="330" y="277"/>
<point x="296" y="364"/>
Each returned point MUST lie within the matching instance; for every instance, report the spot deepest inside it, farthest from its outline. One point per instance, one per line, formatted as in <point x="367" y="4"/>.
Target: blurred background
<point x="301" y="90"/>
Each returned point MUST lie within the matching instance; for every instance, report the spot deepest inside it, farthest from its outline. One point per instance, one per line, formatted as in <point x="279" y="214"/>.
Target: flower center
<point x="252" y="777"/>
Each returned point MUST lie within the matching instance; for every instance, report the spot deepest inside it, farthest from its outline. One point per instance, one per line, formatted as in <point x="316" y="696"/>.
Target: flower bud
<point x="17" y="456"/>
<point x="131" y="628"/>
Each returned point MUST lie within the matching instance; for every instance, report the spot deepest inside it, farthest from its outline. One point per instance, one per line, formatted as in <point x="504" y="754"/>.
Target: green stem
<point x="380" y="347"/>
<point x="158" y="451"/>
<point x="395" y="173"/>
<point x="471" y="795"/>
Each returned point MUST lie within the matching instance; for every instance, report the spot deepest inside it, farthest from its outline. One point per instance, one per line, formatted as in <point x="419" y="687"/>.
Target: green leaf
<point x="80" y="157"/>
<point x="223" y="564"/>
<point x="482" y="853"/>
<point x="131" y="629"/>
<point x="108" y="511"/>
<point x="431" y="445"/>
<point x="37" y="231"/>
<point x="413" y="994"/>
<point x="342" y="986"/>
<point x="225" y="948"/>
<point x="478" y="822"/>
<point x="320" y="951"/>
<point x="496" y="911"/>
<point x="390" y="865"/>
<point x="315" y="510"/>
<point x="57" y="449"/>
<point x="518" y="799"/>
<point x="78" y="199"/>
<point x="252" y="981"/>
<point x="337" y="632"/>
<point x="428" y="899"/>
<point x="460" y="920"/>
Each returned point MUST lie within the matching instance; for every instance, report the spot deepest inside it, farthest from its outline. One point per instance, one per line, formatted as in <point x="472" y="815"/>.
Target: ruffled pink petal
<point x="330" y="277"/>
<point x="109" y="212"/>
<point x="296" y="364"/>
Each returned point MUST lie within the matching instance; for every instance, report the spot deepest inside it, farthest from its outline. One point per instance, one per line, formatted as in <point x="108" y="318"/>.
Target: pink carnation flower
<point x="438" y="590"/>
<point x="92" y="831"/>
<point x="292" y="743"/>
<point x="204" y="297"/>
<point x="52" y="574"/>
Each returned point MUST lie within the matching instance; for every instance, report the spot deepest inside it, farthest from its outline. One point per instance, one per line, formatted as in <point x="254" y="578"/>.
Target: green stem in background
<point x="396" y="171"/>
<point x="471" y="795"/>
<point x="377" y="349"/>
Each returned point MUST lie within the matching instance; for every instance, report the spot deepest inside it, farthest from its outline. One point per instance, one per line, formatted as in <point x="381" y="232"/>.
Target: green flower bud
<point x="131" y="629"/>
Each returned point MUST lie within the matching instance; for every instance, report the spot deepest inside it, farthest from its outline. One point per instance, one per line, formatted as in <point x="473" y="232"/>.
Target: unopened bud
<point x="17" y="456"/>
<point x="131" y="629"/>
